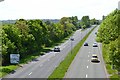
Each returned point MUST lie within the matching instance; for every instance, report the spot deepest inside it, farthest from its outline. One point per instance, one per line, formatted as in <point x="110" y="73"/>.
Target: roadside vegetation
<point x="109" y="35"/>
<point x="60" y="71"/>
<point x="32" y="38"/>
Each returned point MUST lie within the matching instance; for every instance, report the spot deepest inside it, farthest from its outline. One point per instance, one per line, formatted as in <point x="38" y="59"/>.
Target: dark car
<point x="72" y="39"/>
<point x="95" y="32"/>
<point x="85" y="44"/>
<point x="56" y="49"/>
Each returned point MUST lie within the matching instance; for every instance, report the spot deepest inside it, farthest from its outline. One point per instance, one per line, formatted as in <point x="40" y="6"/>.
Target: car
<point x="72" y="39"/>
<point x="94" y="58"/>
<point x="56" y="49"/>
<point x="95" y="32"/>
<point x="85" y="44"/>
<point x="95" y="44"/>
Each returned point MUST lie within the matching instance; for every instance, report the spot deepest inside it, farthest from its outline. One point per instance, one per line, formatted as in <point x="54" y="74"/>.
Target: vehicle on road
<point x="56" y="49"/>
<point x="95" y="32"/>
<point x="85" y="44"/>
<point x="72" y="39"/>
<point x="94" y="58"/>
<point x="95" y="44"/>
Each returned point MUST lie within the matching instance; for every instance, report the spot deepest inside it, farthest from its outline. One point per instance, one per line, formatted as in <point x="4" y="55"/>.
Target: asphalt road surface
<point x="82" y="67"/>
<point x="43" y="66"/>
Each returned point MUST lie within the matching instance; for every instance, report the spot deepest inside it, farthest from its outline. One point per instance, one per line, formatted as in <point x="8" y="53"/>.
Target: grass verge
<point x="112" y="72"/>
<point x="4" y="70"/>
<point x="60" y="71"/>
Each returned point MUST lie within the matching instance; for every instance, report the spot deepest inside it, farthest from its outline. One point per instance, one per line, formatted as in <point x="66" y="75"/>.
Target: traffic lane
<point x="49" y="66"/>
<point x="102" y="60"/>
<point x="96" y="70"/>
<point x="25" y="71"/>
<point x="41" y="76"/>
<point x="79" y="71"/>
<point x="79" y="64"/>
<point x="27" y="68"/>
<point x="81" y="35"/>
<point x="62" y="53"/>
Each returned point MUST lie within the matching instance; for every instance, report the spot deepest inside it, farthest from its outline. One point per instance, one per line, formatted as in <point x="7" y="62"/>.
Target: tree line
<point x="109" y="34"/>
<point x="26" y="37"/>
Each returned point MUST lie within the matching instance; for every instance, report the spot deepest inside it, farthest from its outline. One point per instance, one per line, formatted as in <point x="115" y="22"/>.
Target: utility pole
<point x="72" y="39"/>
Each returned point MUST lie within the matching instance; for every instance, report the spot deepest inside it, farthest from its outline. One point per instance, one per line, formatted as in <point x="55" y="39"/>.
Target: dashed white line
<point x="88" y="55"/>
<point x="30" y="73"/>
<point x="88" y="60"/>
<point x="86" y="75"/>
<point x="87" y="66"/>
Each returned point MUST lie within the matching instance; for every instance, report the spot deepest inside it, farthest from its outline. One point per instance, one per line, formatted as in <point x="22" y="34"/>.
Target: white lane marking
<point x="88" y="60"/>
<point x="30" y="73"/>
<point x="89" y="52"/>
<point x="55" y="66"/>
<point x="86" y="75"/>
<point x="87" y="66"/>
<point x="88" y="55"/>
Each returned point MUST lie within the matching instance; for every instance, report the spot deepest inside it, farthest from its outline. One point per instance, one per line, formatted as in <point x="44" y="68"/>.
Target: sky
<point x="55" y="9"/>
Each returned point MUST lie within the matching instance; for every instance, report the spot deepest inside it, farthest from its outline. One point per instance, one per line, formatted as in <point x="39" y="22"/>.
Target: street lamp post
<point x="72" y="39"/>
<point x="81" y="34"/>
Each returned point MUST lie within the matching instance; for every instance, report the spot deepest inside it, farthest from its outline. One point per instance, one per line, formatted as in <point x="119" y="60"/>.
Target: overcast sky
<point x="55" y="9"/>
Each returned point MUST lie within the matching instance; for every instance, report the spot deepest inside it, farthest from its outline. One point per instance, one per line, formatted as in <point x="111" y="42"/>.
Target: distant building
<point x="119" y="5"/>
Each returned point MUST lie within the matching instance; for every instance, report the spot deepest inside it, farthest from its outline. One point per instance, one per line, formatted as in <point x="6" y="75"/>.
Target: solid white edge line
<point x="86" y="75"/>
<point x="87" y="66"/>
<point x="103" y="61"/>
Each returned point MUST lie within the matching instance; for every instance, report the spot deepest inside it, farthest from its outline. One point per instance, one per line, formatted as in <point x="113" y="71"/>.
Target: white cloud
<point x="29" y="9"/>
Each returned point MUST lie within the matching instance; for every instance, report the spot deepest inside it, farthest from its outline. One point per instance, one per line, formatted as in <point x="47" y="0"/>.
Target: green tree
<point x="85" y="21"/>
<point x="108" y="33"/>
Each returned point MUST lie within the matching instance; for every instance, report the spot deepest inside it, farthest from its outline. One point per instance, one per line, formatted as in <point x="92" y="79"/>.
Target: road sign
<point x="14" y="58"/>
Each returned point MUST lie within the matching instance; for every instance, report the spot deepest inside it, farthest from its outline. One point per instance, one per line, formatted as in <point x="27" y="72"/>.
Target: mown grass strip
<point x="60" y="71"/>
<point x="4" y="70"/>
